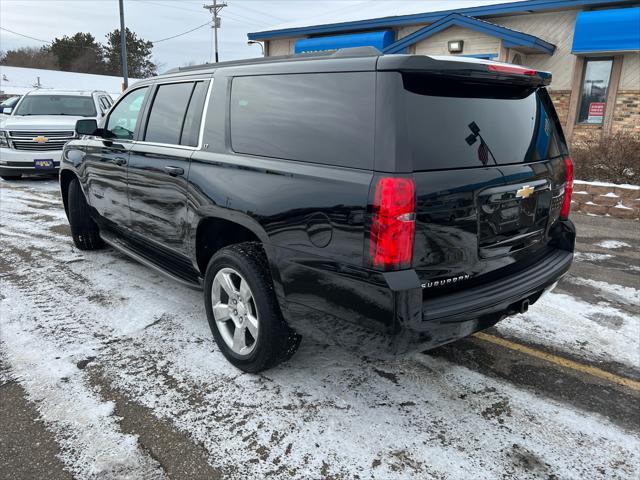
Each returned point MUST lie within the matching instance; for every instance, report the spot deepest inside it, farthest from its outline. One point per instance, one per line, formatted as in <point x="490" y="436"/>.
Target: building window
<point x="595" y="86"/>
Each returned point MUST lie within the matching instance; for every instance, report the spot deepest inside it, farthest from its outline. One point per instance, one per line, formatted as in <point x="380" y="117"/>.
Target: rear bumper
<point x="14" y="162"/>
<point x="450" y="317"/>
<point x="382" y="314"/>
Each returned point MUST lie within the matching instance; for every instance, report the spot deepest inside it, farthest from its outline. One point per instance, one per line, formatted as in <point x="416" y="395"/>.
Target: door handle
<point x="174" y="171"/>
<point x="119" y="161"/>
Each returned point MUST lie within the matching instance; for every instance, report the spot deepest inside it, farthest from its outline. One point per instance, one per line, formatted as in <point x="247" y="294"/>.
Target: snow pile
<point x="607" y="184"/>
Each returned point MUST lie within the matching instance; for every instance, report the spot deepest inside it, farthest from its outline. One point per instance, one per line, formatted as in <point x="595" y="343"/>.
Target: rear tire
<point x="11" y="177"/>
<point x="245" y="264"/>
<point x="84" y="229"/>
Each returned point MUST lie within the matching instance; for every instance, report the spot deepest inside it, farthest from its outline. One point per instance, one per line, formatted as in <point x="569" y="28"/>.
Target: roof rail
<point x="342" y="52"/>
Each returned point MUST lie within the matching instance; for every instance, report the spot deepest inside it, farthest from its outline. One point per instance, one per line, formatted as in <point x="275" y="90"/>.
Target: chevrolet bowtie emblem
<point x="525" y="192"/>
<point x="40" y="139"/>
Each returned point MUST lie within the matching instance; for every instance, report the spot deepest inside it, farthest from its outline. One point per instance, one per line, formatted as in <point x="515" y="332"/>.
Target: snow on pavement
<point x="591" y="257"/>
<point x="593" y="331"/>
<point x="325" y="413"/>
<point x="612" y="244"/>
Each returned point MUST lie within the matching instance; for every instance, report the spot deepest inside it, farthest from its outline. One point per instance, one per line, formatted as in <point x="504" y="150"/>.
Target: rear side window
<point x="456" y="124"/>
<point x="167" y="113"/>
<point x="320" y="118"/>
<point x="176" y="113"/>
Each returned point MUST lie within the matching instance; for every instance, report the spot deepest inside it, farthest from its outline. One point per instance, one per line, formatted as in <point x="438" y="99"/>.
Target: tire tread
<point x="84" y="230"/>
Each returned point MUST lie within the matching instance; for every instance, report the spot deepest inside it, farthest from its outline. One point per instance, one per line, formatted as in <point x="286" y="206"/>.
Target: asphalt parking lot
<point x="108" y="370"/>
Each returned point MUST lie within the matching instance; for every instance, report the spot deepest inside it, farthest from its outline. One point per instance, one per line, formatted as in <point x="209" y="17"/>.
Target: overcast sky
<point x="157" y="19"/>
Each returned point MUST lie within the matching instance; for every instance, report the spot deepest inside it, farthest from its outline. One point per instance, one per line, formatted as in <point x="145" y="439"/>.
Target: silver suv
<point x="32" y="137"/>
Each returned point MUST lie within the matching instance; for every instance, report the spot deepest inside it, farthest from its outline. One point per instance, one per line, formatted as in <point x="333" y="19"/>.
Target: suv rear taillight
<point x="568" y="189"/>
<point x="392" y="223"/>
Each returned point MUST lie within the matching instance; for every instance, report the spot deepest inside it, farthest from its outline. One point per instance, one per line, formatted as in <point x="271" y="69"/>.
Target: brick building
<point x="592" y="47"/>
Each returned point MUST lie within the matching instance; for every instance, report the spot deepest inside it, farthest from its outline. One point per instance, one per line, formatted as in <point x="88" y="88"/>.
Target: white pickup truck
<point x="32" y="136"/>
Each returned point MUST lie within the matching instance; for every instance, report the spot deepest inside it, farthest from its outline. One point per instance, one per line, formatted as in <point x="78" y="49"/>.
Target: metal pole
<point x="123" y="48"/>
<point x="215" y="29"/>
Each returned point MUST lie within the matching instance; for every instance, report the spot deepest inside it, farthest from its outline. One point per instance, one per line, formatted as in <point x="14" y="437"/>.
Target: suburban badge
<point x="446" y="281"/>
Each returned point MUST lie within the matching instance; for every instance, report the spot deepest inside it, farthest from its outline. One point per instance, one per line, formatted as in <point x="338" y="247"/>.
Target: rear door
<point x="487" y="161"/>
<point x="159" y="162"/>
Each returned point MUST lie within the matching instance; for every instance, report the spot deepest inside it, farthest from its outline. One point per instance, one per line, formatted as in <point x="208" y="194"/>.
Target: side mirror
<point x="7" y="110"/>
<point x="87" y="126"/>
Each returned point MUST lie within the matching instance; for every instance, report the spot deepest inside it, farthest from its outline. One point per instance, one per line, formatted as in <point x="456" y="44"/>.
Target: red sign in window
<point x="596" y="111"/>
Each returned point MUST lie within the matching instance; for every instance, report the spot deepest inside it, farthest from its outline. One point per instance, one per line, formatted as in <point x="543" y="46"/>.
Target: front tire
<point x="84" y="230"/>
<point x="243" y="312"/>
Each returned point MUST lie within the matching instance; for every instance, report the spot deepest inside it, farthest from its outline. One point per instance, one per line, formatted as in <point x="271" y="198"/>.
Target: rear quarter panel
<point x="310" y="217"/>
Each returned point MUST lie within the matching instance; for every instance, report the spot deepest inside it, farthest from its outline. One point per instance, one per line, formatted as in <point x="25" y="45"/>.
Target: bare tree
<point x="30" y="57"/>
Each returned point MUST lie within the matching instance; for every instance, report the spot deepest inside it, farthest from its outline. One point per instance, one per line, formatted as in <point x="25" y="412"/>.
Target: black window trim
<point x="142" y="110"/>
<point x="147" y="113"/>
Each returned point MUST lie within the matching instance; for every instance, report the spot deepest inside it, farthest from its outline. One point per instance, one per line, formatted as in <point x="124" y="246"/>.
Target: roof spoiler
<point x="468" y="68"/>
<point x="341" y="52"/>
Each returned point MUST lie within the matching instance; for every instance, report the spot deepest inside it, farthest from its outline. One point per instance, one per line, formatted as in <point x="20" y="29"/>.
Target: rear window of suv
<point x="458" y="124"/>
<point x="320" y="118"/>
<point x="57" y="105"/>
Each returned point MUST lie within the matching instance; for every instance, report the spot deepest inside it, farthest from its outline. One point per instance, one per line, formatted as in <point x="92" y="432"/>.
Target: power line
<point x="241" y="19"/>
<point x="280" y="19"/>
<point x="183" y="33"/>
<point x="25" y="36"/>
<point x="182" y="8"/>
<point x="83" y="47"/>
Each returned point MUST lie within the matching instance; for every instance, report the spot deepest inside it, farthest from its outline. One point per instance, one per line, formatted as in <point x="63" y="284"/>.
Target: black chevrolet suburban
<point x="388" y="203"/>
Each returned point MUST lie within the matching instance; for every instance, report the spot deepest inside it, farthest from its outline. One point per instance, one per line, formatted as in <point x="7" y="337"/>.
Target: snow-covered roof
<point x="18" y="81"/>
<point x="368" y="10"/>
<point x="55" y="91"/>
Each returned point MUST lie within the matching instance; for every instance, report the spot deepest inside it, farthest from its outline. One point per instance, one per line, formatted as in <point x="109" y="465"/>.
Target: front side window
<point x="124" y="116"/>
<point x="595" y="87"/>
<point x="73" y="105"/>
<point x="167" y="113"/>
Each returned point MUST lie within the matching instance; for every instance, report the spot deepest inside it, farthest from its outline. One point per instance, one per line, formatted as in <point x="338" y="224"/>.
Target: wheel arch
<point x="214" y="232"/>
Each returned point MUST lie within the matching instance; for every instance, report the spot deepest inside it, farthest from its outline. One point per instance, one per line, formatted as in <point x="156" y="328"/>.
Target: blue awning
<point x="379" y="40"/>
<point x="615" y="30"/>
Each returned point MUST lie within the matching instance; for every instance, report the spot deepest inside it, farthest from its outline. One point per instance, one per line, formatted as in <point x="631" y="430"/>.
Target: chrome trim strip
<point x="204" y="114"/>
<point x="168" y="145"/>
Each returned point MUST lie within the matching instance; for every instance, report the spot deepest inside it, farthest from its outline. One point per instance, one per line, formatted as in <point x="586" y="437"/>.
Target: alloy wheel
<point x="235" y="312"/>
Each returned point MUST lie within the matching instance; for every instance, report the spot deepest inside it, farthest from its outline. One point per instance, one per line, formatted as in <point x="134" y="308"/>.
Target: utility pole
<point x="123" y="49"/>
<point x="214" y="9"/>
